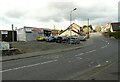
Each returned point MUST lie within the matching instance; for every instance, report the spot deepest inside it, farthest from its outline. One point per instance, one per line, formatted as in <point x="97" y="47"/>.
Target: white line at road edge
<point x="28" y="66"/>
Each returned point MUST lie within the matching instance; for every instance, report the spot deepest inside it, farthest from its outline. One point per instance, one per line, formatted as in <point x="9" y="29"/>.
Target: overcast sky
<point x="47" y="13"/>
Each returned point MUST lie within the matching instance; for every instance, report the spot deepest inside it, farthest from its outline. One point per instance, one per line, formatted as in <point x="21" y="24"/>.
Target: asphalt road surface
<point x="64" y="65"/>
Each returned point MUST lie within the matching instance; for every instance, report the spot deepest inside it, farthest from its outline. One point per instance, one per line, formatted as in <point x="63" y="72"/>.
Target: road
<point x="66" y="65"/>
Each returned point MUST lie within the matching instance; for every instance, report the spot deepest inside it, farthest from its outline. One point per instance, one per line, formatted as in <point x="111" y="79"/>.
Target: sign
<point x="37" y="30"/>
<point x="4" y="32"/>
<point x="28" y="29"/>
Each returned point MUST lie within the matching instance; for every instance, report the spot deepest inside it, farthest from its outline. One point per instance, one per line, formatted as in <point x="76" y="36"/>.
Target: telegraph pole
<point x="88" y="28"/>
<point x="54" y="27"/>
<point x="12" y="36"/>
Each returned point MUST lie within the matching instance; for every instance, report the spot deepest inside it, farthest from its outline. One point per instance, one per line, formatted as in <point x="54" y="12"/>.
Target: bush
<point x="115" y="34"/>
<point x="105" y="34"/>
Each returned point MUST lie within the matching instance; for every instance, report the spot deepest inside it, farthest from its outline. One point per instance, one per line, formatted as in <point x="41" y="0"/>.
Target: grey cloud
<point x="62" y="5"/>
<point x="15" y="13"/>
<point x="4" y="19"/>
<point x="63" y="12"/>
<point x="56" y="17"/>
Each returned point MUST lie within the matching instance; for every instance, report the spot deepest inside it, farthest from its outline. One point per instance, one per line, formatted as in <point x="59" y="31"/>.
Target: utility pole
<point x="88" y="28"/>
<point x="12" y="36"/>
<point x="54" y="27"/>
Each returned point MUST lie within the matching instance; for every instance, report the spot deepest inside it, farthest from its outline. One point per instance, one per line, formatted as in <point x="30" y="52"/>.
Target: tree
<point x="84" y="26"/>
<point x="90" y="26"/>
<point x="85" y="30"/>
<point x="108" y="30"/>
<point x="98" y="29"/>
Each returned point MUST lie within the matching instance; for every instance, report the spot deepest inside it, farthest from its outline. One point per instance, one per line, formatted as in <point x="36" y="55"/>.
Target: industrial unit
<point x="31" y="33"/>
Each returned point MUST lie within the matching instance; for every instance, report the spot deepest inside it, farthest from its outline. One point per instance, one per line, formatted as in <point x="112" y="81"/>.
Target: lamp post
<point x="71" y="20"/>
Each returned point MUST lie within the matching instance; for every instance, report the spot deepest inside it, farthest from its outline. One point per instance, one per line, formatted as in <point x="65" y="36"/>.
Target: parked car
<point x="51" y="39"/>
<point x="73" y="40"/>
<point x="83" y="38"/>
<point x="59" y="39"/>
<point x="41" y="38"/>
<point x="64" y="39"/>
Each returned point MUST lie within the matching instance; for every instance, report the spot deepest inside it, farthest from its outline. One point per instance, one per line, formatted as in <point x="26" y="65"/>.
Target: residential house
<point x="31" y="33"/>
<point x="113" y="27"/>
<point x="72" y="30"/>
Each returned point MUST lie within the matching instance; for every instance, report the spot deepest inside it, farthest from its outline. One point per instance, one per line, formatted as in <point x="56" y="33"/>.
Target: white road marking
<point x="48" y="62"/>
<point x="28" y="66"/>
<point x="88" y="52"/>
<point x="79" y="54"/>
<point x="98" y="65"/>
<point x="107" y="61"/>
<point x="104" y="46"/>
<point x="91" y="51"/>
<point x="57" y="57"/>
<point x="81" y="58"/>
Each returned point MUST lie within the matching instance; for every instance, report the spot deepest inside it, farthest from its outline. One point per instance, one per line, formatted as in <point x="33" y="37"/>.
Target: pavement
<point x="97" y="61"/>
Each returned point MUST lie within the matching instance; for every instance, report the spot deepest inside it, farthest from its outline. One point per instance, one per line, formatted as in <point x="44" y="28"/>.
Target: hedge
<point x="115" y="34"/>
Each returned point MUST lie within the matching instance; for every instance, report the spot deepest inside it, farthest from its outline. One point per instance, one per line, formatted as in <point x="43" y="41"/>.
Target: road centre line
<point x="104" y="46"/>
<point x="90" y="51"/>
<point x="79" y="54"/>
<point x="28" y="66"/>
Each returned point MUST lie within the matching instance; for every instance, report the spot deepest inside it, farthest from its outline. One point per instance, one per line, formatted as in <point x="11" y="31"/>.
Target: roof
<point x="116" y="26"/>
<point x="73" y="25"/>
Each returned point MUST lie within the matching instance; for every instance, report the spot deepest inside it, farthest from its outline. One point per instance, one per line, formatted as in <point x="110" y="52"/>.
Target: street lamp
<point x="71" y="20"/>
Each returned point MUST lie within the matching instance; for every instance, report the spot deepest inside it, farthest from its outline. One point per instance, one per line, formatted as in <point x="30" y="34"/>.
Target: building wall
<point x="29" y="36"/>
<point x="107" y="26"/>
<point x="30" y="33"/>
<point x="21" y="35"/>
<point x="0" y="36"/>
<point x="75" y="27"/>
<point x="10" y="36"/>
<point x="111" y="29"/>
<point x="7" y="35"/>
